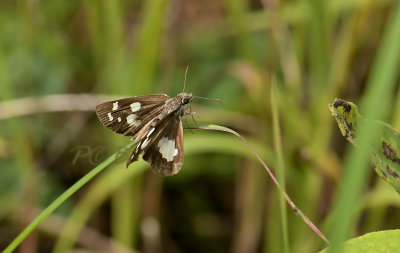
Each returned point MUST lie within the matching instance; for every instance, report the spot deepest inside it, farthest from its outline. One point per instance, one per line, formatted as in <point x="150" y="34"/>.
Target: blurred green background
<point x="58" y="59"/>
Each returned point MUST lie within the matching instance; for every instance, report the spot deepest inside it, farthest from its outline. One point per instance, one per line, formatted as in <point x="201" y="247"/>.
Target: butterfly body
<point x="154" y="120"/>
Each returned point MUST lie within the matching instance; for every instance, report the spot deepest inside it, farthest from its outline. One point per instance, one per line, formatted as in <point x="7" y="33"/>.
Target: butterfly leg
<point x="191" y="113"/>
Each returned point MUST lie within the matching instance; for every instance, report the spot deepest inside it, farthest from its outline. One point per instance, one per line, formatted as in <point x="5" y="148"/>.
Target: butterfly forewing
<point x="127" y="116"/>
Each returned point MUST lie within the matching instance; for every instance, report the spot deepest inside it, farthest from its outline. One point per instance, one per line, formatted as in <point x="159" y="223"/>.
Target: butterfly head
<point x="185" y="98"/>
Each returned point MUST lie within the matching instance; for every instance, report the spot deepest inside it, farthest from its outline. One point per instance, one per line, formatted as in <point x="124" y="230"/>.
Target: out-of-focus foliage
<point x="222" y="200"/>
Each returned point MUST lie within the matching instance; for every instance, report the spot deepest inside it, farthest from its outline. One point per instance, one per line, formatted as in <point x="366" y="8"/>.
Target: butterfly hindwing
<point x="128" y="115"/>
<point x="163" y="148"/>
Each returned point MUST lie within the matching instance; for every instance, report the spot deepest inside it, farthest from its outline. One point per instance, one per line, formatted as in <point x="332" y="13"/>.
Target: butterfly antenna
<point x="215" y="99"/>
<point x="184" y="82"/>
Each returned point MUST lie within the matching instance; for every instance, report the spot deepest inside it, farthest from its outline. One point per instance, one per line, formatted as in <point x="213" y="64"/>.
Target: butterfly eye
<point x="186" y="100"/>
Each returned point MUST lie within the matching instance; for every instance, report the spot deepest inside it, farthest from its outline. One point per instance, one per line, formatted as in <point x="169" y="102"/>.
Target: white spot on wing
<point x="167" y="149"/>
<point x="135" y="106"/>
<point x="119" y="119"/>
<point x="110" y="117"/>
<point x="150" y="132"/>
<point x="131" y="119"/>
<point x="137" y="148"/>
<point x="115" y="106"/>
<point x="145" y="143"/>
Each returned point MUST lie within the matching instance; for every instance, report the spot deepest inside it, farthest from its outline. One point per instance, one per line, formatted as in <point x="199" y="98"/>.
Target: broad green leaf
<point x="376" y="242"/>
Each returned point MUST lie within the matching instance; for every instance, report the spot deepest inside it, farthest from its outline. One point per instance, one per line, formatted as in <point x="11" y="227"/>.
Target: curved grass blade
<point x="288" y="199"/>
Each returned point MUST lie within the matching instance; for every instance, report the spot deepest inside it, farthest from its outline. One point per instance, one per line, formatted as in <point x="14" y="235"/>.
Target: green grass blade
<point x="98" y="192"/>
<point x="280" y="164"/>
<point x="380" y="86"/>
<point x="62" y="198"/>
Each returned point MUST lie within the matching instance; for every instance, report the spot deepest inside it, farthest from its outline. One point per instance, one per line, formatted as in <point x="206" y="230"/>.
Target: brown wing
<point x="127" y="116"/>
<point x="163" y="148"/>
